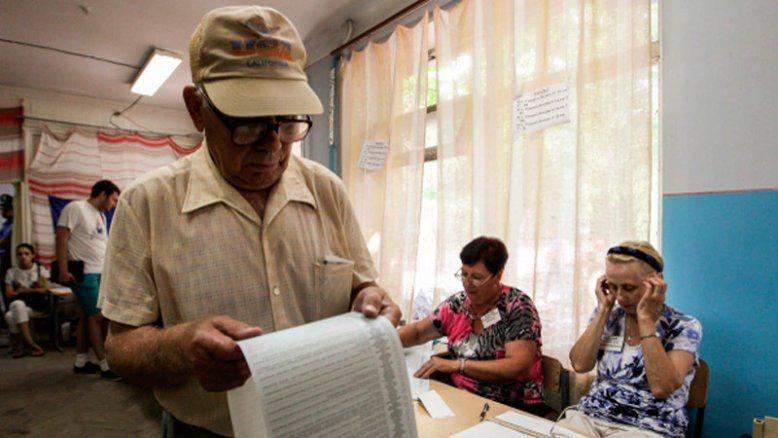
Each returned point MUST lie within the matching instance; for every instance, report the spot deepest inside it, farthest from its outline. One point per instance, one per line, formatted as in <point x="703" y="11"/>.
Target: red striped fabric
<point x="11" y="147"/>
<point x="68" y="167"/>
<point x="11" y="116"/>
<point x="138" y="139"/>
<point x="15" y="159"/>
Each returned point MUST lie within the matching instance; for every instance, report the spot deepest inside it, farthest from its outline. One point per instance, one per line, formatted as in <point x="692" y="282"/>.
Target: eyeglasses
<point x="246" y="131"/>
<point x="459" y="275"/>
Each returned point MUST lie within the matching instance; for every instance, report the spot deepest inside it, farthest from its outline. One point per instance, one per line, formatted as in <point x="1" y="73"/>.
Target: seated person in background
<point x="25" y="288"/>
<point x="493" y="333"/>
<point x="645" y="351"/>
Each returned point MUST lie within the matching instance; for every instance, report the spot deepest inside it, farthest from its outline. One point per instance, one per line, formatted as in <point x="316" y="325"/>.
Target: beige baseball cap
<point x="250" y="61"/>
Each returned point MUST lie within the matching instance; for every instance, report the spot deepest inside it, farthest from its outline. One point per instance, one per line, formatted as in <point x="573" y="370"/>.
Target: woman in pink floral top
<point x="493" y="333"/>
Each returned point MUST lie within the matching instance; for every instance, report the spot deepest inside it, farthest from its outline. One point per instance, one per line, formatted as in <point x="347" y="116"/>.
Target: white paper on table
<point x="490" y="429"/>
<point x="373" y="155"/>
<point x="415" y="357"/>
<point x="435" y="405"/>
<point x="341" y="376"/>
<point x="543" y="108"/>
<point x="536" y="425"/>
<point x="59" y="288"/>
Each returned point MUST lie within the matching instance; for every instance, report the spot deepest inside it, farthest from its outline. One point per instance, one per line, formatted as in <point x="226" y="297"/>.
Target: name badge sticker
<point x="612" y="343"/>
<point x="491" y="318"/>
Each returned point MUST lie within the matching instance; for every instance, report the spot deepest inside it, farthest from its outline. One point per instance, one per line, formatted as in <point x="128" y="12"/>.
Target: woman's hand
<point x="438" y="364"/>
<point x="605" y="299"/>
<point x="652" y="304"/>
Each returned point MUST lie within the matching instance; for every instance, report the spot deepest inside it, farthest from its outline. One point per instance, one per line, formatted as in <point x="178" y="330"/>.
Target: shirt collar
<point x="207" y="186"/>
<point x="291" y="188"/>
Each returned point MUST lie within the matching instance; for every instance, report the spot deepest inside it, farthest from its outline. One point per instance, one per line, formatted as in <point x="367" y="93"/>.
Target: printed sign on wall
<point x="543" y="108"/>
<point x="373" y="155"/>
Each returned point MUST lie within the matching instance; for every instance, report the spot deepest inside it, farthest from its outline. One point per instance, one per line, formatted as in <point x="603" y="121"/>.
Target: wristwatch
<point x="652" y="335"/>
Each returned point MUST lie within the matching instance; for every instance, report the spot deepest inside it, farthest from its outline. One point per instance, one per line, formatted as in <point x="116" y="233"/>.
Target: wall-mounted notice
<point x="373" y="155"/>
<point x="542" y="108"/>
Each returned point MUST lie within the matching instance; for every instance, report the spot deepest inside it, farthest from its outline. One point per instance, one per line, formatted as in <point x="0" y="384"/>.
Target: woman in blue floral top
<point x="645" y="352"/>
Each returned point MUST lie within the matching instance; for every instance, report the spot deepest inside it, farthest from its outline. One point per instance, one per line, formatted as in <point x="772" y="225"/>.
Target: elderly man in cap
<point x="237" y="239"/>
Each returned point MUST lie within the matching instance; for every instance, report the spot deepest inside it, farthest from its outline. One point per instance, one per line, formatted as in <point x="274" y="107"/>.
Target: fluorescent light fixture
<point x="158" y="67"/>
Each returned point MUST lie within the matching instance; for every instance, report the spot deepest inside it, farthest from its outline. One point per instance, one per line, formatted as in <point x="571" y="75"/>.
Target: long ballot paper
<point x="339" y="377"/>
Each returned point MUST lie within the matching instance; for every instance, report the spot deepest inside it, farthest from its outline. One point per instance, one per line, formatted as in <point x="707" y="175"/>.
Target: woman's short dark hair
<point x="104" y="186"/>
<point x="489" y="250"/>
<point x="25" y="245"/>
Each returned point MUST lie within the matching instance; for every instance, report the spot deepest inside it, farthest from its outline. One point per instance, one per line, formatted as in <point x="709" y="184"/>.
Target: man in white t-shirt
<point x="81" y="235"/>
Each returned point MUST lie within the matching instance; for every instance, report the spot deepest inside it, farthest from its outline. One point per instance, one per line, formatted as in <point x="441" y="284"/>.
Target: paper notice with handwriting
<point x="543" y="108"/>
<point x="338" y="377"/>
<point x="373" y="155"/>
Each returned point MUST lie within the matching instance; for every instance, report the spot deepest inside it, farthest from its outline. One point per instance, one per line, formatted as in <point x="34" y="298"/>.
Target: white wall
<point x="82" y="110"/>
<point x="79" y="109"/>
<point x="719" y="95"/>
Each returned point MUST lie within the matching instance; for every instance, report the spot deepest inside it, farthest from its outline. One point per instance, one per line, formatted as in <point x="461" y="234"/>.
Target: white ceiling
<point x="125" y="30"/>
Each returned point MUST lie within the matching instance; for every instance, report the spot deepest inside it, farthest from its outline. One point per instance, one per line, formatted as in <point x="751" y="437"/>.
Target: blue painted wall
<point x="721" y="253"/>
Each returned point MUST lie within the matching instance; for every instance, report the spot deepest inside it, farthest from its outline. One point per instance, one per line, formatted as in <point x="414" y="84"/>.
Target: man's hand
<point x="216" y="360"/>
<point x="438" y="364"/>
<point x="373" y="301"/>
<point x="65" y="277"/>
<point x="652" y="304"/>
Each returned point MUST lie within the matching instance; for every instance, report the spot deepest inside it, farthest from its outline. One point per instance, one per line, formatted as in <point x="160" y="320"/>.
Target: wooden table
<point x="467" y="408"/>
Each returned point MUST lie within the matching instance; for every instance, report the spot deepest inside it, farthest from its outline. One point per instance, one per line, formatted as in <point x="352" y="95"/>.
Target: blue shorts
<point x="87" y="292"/>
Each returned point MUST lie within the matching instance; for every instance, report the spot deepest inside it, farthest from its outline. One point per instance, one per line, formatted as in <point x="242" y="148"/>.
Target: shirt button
<point x="276" y="291"/>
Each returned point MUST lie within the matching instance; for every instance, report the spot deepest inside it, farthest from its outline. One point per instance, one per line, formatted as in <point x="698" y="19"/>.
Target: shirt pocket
<point x="333" y="287"/>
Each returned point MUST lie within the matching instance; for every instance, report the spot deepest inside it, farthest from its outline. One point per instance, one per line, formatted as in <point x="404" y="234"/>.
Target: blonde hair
<point x="638" y="245"/>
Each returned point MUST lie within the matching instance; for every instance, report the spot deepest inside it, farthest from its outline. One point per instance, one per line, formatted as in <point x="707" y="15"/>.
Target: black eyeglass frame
<point x="232" y="123"/>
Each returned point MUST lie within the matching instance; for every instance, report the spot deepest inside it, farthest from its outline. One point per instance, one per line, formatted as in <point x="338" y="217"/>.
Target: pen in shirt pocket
<point x="330" y="259"/>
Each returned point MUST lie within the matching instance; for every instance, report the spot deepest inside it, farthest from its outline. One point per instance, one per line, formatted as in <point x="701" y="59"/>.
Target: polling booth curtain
<point x="64" y="169"/>
<point x="383" y="97"/>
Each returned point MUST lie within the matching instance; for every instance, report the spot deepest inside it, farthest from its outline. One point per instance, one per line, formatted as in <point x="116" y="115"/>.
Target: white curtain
<point x="558" y="197"/>
<point x="383" y="96"/>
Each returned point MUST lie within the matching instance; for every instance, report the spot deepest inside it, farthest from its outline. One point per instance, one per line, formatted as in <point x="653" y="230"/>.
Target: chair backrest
<point x="552" y="372"/>
<point x="556" y="384"/>
<point x="698" y="391"/>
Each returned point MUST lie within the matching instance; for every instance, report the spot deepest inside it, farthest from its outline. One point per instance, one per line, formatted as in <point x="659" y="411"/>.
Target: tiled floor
<point x="42" y="397"/>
